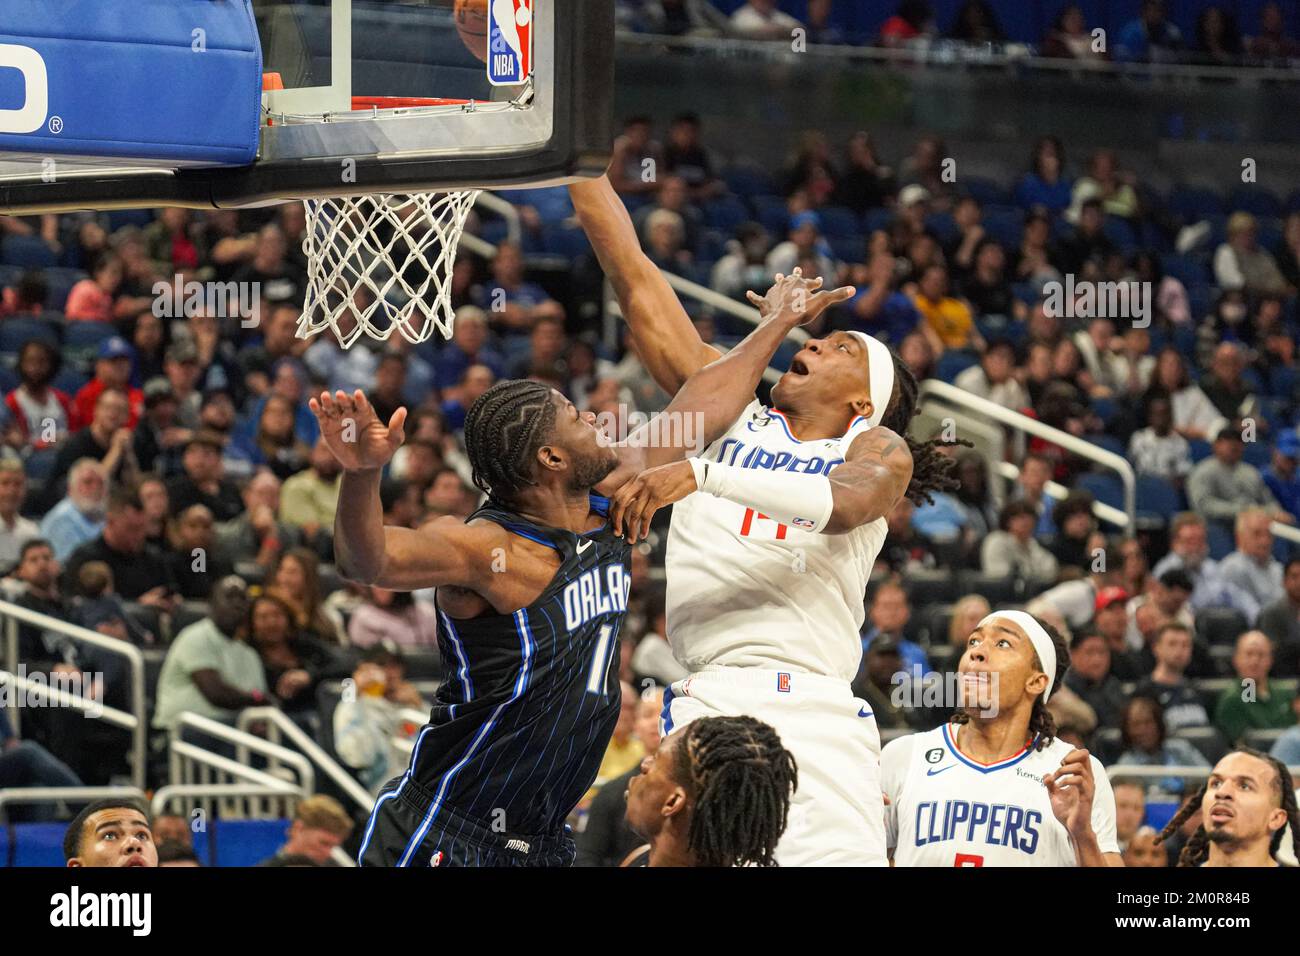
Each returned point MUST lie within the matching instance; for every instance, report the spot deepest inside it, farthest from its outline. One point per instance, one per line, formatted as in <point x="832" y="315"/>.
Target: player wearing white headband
<point x="993" y="787"/>
<point x="767" y="567"/>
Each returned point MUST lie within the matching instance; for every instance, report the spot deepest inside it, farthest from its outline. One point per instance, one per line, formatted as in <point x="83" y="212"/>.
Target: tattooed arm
<point x="869" y="482"/>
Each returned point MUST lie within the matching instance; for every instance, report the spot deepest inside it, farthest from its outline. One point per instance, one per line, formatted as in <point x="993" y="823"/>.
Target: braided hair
<point x="932" y="471"/>
<point x="740" y="779"/>
<point x="1042" y="725"/>
<point x="503" y="430"/>
<point x="1197" y="849"/>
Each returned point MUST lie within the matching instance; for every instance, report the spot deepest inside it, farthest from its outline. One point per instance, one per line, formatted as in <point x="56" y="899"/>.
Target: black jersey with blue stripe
<point x="530" y="699"/>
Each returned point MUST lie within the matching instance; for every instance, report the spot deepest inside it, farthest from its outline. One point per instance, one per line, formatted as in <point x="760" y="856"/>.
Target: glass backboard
<point x="365" y="96"/>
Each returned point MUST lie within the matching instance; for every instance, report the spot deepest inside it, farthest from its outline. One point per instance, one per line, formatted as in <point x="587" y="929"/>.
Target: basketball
<point x="472" y="25"/>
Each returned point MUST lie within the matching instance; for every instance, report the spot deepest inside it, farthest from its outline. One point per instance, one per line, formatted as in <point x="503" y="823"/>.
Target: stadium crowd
<point x="162" y="481"/>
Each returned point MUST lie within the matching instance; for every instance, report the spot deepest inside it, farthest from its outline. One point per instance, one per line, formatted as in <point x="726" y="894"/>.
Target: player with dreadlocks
<point x="531" y="591"/>
<point x="994" y="787"/>
<point x="716" y="793"/>
<point x="768" y="563"/>
<point x="1247" y="807"/>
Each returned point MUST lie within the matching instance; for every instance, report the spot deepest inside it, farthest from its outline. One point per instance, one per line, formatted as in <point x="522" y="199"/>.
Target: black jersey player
<point x="531" y="590"/>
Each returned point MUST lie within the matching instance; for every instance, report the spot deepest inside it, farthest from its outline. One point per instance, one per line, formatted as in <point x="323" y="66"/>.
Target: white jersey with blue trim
<point x="747" y="591"/>
<point x="948" y="809"/>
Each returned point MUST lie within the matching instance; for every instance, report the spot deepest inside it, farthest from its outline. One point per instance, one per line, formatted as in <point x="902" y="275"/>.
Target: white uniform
<point x="948" y="809"/>
<point x="767" y="617"/>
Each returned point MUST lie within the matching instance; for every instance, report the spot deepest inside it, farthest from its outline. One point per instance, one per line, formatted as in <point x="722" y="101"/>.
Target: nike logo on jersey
<point x="583" y="546"/>
<point x="863" y="712"/>
<point x="931" y="773"/>
<point x="602" y="590"/>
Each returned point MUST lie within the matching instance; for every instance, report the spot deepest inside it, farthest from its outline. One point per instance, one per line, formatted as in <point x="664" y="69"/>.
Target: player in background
<point x="111" y="832"/>
<point x="767" y="570"/>
<point x="532" y="589"/>
<point x="1247" y="807"/>
<point x="993" y="787"/>
<point x="716" y="793"/>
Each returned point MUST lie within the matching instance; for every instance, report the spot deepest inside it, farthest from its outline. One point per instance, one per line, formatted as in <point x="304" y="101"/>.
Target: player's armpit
<point x="869" y="482"/>
<point x="443" y="552"/>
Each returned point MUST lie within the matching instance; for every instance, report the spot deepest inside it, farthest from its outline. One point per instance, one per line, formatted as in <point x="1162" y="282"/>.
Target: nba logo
<point x="436" y="859"/>
<point x="783" y="683"/>
<point x="510" y="41"/>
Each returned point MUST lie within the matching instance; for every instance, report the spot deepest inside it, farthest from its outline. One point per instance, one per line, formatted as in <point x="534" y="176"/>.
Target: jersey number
<point x="968" y="859"/>
<point x="748" y="524"/>
<point x="600" y="663"/>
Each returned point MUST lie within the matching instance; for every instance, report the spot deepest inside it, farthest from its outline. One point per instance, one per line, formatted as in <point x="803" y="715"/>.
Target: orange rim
<point x="400" y="102"/>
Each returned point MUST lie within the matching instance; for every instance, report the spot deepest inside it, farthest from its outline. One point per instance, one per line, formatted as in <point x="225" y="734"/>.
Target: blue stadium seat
<point x="985" y="191"/>
<point x="246" y="842"/>
<point x="37" y="844"/>
<point x="942" y="225"/>
<point x="1119" y="231"/>
<point x="60" y="282"/>
<point x="1103" y="487"/>
<point x="877" y="219"/>
<point x="26" y="252"/>
<point x="1258" y="453"/>
<point x="19" y="330"/>
<point x="1199" y="449"/>
<point x="773" y="215"/>
<point x="1157" y="496"/>
<point x="9" y="380"/>
<point x="564" y="241"/>
<point x="1282" y="382"/>
<point x="87" y="335"/>
<point x="122" y="218"/>
<point x="1194" y="203"/>
<point x="1220" y="541"/>
<point x="747" y="181"/>
<point x="953" y="362"/>
<point x="839" y="223"/>
<point x="725" y="213"/>
<point x="1256" y="200"/>
<point x="849" y="249"/>
<point x="1190" y="270"/>
<point x="70" y="380"/>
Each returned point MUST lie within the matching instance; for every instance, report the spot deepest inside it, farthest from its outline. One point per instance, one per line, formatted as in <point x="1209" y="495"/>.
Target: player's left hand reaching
<point x="635" y="503"/>
<point x="1071" y="788"/>
<point x="798" y="299"/>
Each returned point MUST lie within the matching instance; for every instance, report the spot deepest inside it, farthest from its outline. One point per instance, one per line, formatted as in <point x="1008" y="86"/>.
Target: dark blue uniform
<point x="521" y="721"/>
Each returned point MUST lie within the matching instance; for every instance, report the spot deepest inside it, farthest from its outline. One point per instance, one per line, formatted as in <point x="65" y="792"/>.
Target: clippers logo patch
<point x="510" y="41"/>
<point x="783" y="683"/>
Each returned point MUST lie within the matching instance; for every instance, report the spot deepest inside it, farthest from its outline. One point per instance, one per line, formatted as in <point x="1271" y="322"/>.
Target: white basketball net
<point x="381" y="264"/>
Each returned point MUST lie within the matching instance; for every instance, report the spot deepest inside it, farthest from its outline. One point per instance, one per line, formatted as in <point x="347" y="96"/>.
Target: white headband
<point x="1043" y="645"/>
<point x="880" y="368"/>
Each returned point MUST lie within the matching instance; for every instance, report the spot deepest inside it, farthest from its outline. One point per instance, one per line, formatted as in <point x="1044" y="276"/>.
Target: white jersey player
<point x="994" y="788"/>
<point x="768" y="568"/>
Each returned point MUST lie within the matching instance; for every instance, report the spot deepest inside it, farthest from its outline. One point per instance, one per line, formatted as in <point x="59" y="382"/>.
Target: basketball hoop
<point x="382" y="263"/>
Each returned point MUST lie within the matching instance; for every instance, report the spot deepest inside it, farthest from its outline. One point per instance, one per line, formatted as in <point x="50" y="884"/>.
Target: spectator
<point x="1189" y="551"/>
<point x="311" y="495"/>
<point x="974" y="498"/>
<point x="1144" y="850"/>
<point x="158" y="439"/>
<point x="278" y="277"/>
<point x="607" y="839"/>
<point x="994" y="377"/>
<point x="1280" y="621"/>
<point x="1168" y="684"/>
<point x="476" y="380"/>
<point x="320" y="825"/>
<point x="275" y="445"/>
<point x="875" y="683"/>
<point x="1090" y="675"/>
<point x="966" y="615"/>
<point x="633" y="170"/>
<point x="1282" y="477"/>
<point x="1195" y="416"/>
<point x="512" y="302"/>
<point x="79" y="516"/>
<point x="890" y="613"/>
<point x="1252" y="567"/>
<point x="107" y="440"/>
<point x="1146" y="743"/>
<point x="1012" y="551"/>
<point x="39" y="413"/>
<point x="1070" y="37"/>
<point x="470" y="345"/>
<point x="673" y="196"/>
<point x="93" y="299"/>
<point x="1241" y="263"/>
<point x="1287" y="746"/>
<point x="809" y="178"/>
<point x="203" y="481"/>
<point x="1088" y="243"/>
<point x="139" y="570"/>
<point x="985" y="284"/>
<point x="1076" y="599"/>
<point x="1035" y="472"/>
<point x="1272" y="43"/>
<point x="368" y="719"/>
<point x="210" y="669"/>
<point x="1130" y="809"/>
<point x="35" y="585"/>
<point x="906" y="547"/>
<point x="194" y="560"/>
<point x="396" y="616"/>
<point x="686" y="158"/>
<point x="1224" y="386"/>
<point x="25" y="763"/>
<point x="15" y="530"/>
<point x="297" y="575"/>
<point x="112" y="371"/>
<point x="866" y="182"/>
<point x="1222" y="486"/>
<point x="1150" y="38"/>
<point x="1250" y="703"/>
<point x="295" y="663"/>
<point x="976" y="23"/>
<point x="1032" y="261"/>
<point x="1075" y="525"/>
<point x="1158" y="450"/>
<point x="950" y="319"/>
<point x="1168" y="599"/>
<point x="258" y="534"/>
<point x="805" y="241"/>
<point x="761" y="20"/>
<point x="928" y="167"/>
<point x="912" y="20"/>
<point x="744" y="265"/>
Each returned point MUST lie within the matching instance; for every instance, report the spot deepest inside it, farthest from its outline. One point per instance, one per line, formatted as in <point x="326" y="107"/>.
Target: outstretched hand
<point x="798" y="298"/>
<point x="354" y="433"/>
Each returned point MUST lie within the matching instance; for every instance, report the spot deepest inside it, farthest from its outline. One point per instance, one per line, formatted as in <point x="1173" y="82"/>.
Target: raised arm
<point x="870" y="481"/>
<point x="666" y="340"/>
<point x="400" y="559"/>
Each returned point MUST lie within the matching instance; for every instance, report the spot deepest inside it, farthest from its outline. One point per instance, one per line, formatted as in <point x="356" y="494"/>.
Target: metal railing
<point x="135" y="721"/>
<point x="26" y="795"/>
<point x="942" y="391"/>
<point x="504" y="209"/>
<point x="279" y="724"/>
<point x="193" y="765"/>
